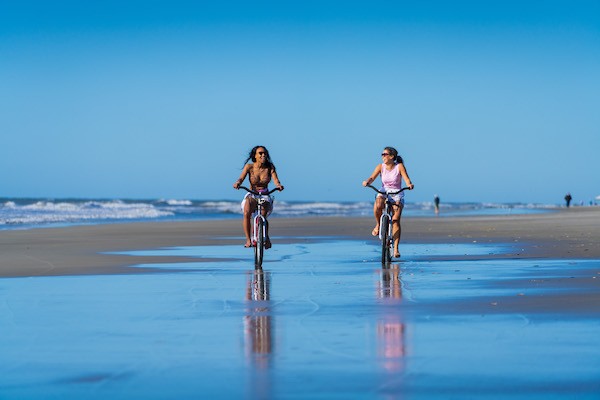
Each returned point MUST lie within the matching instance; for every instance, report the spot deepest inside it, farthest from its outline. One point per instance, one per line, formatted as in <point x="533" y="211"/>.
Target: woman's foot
<point x="248" y="243"/>
<point x="375" y="231"/>
<point x="396" y="254"/>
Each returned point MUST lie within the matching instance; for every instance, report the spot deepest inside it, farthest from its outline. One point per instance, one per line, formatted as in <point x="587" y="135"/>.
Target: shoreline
<point x="79" y="250"/>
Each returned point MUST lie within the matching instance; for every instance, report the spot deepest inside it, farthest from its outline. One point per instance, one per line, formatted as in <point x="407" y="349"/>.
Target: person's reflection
<point x="390" y="327"/>
<point x="258" y="331"/>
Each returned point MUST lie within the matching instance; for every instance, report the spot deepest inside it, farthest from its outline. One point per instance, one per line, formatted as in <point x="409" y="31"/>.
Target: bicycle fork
<point x="389" y="226"/>
<point x="257" y="226"/>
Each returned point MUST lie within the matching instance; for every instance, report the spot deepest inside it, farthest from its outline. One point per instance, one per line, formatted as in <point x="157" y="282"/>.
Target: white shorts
<point x="268" y="198"/>
<point x="396" y="198"/>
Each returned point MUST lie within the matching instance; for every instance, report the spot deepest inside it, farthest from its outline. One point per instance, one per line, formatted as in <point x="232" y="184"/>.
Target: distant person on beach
<point x="568" y="199"/>
<point x="436" y="203"/>
<point x="259" y="172"/>
<point x="392" y="172"/>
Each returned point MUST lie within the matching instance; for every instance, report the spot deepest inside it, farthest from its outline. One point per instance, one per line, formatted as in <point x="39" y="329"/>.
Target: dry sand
<point x="566" y="234"/>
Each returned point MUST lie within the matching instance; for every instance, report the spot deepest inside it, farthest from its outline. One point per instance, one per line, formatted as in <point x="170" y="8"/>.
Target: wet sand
<point x="78" y="250"/>
<point x="479" y="307"/>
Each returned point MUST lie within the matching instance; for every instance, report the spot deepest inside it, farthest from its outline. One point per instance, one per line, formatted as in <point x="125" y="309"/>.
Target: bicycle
<point x="386" y="229"/>
<point x="259" y="224"/>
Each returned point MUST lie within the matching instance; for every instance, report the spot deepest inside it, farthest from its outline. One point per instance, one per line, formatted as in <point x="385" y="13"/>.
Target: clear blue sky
<point x="486" y="100"/>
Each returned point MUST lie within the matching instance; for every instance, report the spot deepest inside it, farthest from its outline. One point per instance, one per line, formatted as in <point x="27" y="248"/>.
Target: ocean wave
<point x="39" y="212"/>
<point x="175" y="202"/>
<point x="48" y="212"/>
<point x="322" y="208"/>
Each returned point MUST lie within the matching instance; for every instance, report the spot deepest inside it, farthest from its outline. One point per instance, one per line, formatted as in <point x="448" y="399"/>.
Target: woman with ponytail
<point x="392" y="172"/>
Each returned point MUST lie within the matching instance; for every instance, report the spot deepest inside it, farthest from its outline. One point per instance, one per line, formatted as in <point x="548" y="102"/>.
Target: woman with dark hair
<point x="259" y="172"/>
<point x="392" y="173"/>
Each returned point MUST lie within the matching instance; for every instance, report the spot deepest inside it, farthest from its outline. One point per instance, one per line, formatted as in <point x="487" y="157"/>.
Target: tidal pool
<point x="321" y="320"/>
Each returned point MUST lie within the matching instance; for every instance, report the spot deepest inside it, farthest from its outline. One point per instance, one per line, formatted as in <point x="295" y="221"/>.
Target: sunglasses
<point x="260" y="153"/>
<point x="385" y="154"/>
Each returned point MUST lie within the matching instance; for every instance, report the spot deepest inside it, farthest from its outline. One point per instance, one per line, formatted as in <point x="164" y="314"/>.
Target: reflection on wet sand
<point x="258" y="333"/>
<point x="391" y="348"/>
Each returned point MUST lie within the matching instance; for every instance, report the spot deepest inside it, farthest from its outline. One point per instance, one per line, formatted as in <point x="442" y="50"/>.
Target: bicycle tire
<point x="385" y="239"/>
<point x="259" y="249"/>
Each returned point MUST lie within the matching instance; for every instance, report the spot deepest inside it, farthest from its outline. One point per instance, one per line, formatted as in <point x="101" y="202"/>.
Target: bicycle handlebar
<point x="259" y="194"/>
<point x="386" y="193"/>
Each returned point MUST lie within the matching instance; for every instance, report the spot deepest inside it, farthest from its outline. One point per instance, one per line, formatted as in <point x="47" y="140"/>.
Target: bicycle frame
<point x="259" y="224"/>
<point x="388" y="212"/>
<point x="259" y="221"/>
<point x="386" y="226"/>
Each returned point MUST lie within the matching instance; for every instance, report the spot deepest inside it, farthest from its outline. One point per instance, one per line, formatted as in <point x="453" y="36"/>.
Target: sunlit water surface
<point x="321" y="320"/>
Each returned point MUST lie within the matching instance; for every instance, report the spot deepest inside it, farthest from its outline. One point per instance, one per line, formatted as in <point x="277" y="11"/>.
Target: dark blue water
<point x="31" y="213"/>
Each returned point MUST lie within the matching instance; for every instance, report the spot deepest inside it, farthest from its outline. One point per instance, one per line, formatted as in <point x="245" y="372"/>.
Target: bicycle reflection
<point x="258" y="332"/>
<point x="391" y="331"/>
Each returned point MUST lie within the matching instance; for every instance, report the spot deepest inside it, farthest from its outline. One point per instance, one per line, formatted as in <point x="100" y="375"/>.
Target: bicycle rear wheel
<point x="259" y="249"/>
<point x="385" y="239"/>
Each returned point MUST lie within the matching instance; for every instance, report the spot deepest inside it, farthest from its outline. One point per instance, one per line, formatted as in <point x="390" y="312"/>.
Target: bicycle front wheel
<point x="259" y="250"/>
<point x="385" y="239"/>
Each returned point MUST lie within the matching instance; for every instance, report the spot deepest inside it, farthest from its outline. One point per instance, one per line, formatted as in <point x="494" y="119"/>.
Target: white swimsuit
<point x="269" y="200"/>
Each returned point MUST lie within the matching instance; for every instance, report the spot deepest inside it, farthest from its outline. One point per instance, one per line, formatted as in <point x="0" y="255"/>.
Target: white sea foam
<point x="38" y="212"/>
<point x="44" y="212"/>
<point x="175" y="202"/>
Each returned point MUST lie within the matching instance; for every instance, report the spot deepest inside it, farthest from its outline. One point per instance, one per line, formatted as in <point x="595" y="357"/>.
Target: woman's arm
<point x="276" y="180"/>
<point x="373" y="176"/>
<point x="405" y="176"/>
<point x="245" y="171"/>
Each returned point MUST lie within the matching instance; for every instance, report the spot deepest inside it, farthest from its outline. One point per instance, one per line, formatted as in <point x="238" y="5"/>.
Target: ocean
<point x="24" y="213"/>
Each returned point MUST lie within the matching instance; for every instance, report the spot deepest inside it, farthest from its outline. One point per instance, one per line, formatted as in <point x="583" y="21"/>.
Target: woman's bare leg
<point x="249" y="209"/>
<point x="265" y="211"/>
<point x="397" y="229"/>
<point x="377" y="211"/>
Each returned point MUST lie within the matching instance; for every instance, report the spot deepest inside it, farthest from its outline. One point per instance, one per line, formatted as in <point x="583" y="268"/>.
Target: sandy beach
<point x="477" y="308"/>
<point x="565" y="234"/>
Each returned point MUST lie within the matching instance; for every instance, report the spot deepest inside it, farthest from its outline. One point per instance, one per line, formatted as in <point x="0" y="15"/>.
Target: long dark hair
<point x="398" y="159"/>
<point x="252" y="156"/>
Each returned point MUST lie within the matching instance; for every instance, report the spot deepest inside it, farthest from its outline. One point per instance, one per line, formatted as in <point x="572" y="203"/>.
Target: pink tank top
<point x="391" y="179"/>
